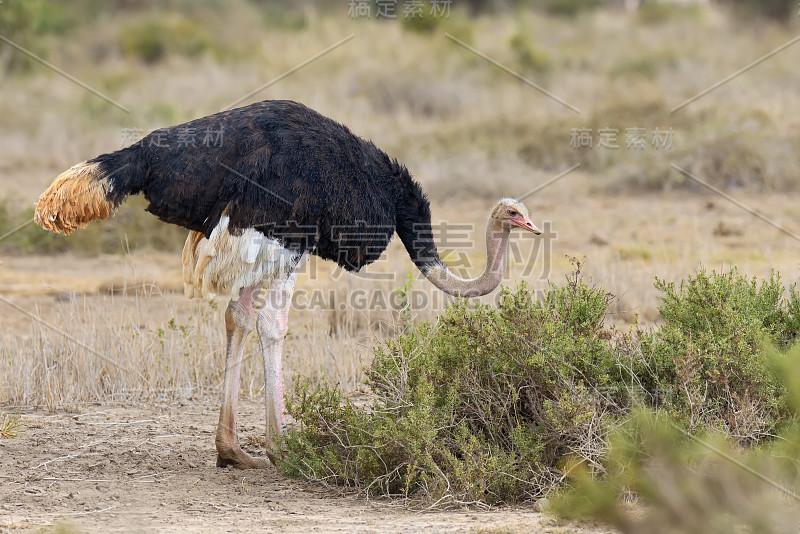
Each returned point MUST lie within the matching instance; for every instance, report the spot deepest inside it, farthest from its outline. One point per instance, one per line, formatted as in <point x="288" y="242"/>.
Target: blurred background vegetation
<point x="465" y="129"/>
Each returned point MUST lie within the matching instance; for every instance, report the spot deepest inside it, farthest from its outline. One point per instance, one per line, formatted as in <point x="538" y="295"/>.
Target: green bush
<point x="151" y="39"/>
<point x="529" y="57"/>
<point x="699" y="484"/>
<point x="421" y="20"/>
<point x="479" y="407"/>
<point x="568" y="8"/>
<point x="33" y="19"/>
<point x="494" y="404"/>
<point x="781" y="10"/>
<point x="694" y="484"/>
<point x="663" y="12"/>
<point x="28" y="23"/>
<point x="288" y="16"/>
<point x="715" y="328"/>
<point x="647" y="64"/>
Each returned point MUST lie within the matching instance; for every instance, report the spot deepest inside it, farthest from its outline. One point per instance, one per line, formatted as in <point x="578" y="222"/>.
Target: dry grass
<point x="10" y="425"/>
<point x="140" y="346"/>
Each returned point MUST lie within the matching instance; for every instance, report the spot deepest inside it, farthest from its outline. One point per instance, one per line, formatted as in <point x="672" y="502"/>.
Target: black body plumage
<point x="285" y="170"/>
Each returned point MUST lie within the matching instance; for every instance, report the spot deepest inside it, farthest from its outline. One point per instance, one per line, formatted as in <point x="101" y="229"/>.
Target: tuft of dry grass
<point x="10" y="425"/>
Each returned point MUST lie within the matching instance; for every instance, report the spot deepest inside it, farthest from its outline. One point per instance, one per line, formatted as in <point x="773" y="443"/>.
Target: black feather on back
<point x="284" y="169"/>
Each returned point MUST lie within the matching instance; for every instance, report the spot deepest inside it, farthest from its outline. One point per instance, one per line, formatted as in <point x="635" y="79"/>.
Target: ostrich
<point x="279" y="182"/>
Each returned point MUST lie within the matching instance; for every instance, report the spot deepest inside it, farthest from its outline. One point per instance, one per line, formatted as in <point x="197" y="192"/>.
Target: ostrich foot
<point x="237" y="458"/>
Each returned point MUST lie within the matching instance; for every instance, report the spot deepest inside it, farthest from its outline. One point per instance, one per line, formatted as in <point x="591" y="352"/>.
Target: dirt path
<point x="151" y="469"/>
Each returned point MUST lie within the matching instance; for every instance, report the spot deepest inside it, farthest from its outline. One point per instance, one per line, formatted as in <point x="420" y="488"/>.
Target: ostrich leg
<point x="272" y="326"/>
<point x="238" y="324"/>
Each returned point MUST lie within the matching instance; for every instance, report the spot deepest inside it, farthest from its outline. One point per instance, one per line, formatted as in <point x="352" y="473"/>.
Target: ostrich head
<point x="510" y="213"/>
<point x="506" y="215"/>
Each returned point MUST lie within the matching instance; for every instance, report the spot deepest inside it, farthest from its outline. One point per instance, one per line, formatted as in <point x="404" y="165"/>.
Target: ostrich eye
<point x="512" y="213"/>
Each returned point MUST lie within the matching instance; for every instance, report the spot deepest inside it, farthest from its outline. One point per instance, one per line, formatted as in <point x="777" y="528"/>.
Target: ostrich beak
<point x="526" y="224"/>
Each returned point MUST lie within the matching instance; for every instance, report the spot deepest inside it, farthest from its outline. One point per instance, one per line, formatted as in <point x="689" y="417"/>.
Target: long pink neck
<point x="490" y="278"/>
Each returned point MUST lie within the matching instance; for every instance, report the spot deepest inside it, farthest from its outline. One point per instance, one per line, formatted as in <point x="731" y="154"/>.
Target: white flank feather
<point x="223" y="264"/>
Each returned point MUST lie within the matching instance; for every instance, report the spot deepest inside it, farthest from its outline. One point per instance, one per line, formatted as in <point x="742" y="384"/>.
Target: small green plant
<point x="646" y="65"/>
<point x="568" y="8"/>
<point x="145" y="40"/>
<point x="421" y="19"/>
<point x="528" y="56"/>
<point x="151" y="39"/>
<point x="406" y="315"/>
<point x="29" y="23"/>
<point x="664" y="12"/>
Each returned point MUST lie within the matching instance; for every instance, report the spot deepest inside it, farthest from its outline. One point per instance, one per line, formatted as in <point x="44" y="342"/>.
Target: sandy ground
<point x="151" y="469"/>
